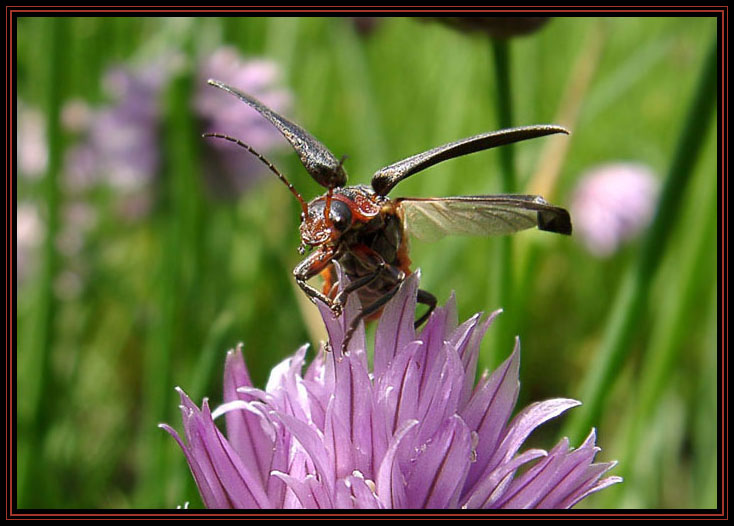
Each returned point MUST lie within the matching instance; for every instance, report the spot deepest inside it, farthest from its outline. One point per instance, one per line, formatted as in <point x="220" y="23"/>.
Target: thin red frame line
<point x="370" y="9"/>
<point x="724" y="260"/>
<point x="725" y="255"/>
<point x="9" y="253"/>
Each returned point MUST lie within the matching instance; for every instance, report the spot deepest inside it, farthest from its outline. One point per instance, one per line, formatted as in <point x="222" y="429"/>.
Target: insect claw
<point x="337" y="309"/>
<point x="343" y="352"/>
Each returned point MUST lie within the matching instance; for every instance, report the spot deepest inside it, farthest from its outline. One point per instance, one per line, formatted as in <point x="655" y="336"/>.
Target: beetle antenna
<point x="267" y="163"/>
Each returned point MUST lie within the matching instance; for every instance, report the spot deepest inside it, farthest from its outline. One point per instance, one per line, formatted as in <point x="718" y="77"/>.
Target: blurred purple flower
<point x="415" y="432"/>
<point x="612" y="203"/>
<point x="121" y="144"/>
<point x="233" y="169"/>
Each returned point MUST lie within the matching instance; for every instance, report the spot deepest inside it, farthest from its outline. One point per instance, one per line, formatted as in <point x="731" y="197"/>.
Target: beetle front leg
<point x="309" y="267"/>
<point x="399" y="277"/>
<point x="341" y="298"/>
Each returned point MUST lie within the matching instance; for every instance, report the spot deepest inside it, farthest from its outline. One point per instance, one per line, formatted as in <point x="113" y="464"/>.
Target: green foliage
<point x="162" y="298"/>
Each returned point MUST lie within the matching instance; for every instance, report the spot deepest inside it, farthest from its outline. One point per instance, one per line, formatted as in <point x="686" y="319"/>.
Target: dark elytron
<point x="367" y="232"/>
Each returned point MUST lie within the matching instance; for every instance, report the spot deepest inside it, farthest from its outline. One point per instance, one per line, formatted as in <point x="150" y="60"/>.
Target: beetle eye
<point x="340" y="215"/>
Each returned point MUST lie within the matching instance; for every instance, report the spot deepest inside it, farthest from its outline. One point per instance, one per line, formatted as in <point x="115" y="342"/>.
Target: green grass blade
<point x="632" y="297"/>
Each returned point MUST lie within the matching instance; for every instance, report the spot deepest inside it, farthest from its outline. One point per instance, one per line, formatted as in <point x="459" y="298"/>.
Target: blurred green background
<point x="135" y="279"/>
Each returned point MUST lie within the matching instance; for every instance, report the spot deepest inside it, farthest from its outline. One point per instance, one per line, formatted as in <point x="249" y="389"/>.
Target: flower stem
<point x="672" y="324"/>
<point x="40" y="384"/>
<point x="504" y="277"/>
<point x="501" y="54"/>
<point x="180" y="263"/>
<point x="632" y="297"/>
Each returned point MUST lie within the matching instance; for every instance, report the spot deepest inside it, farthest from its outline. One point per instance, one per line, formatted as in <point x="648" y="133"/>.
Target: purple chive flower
<point x="413" y="432"/>
<point x="121" y="143"/>
<point x="234" y="169"/>
<point x="612" y="204"/>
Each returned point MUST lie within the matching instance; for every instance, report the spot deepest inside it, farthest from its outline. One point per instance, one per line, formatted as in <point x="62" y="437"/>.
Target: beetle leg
<point x="309" y="267"/>
<point x="341" y="298"/>
<point x="426" y="298"/>
<point x="372" y="308"/>
<point x="380" y="265"/>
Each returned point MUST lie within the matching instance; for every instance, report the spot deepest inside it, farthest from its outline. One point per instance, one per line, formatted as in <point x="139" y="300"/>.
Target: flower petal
<point x="309" y="492"/>
<point x="338" y="443"/>
<point x="249" y="432"/>
<point x="353" y="492"/>
<point x="526" y="421"/>
<point x="528" y="490"/>
<point x="598" y="486"/>
<point x="488" y="411"/>
<point x="589" y="482"/>
<point x="466" y="340"/>
<point x="396" y="393"/>
<point x="493" y="486"/>
<point x="440" y="394"/>
<point x="572" y="473"/>
<point x="432" y="336"/>
<point x="440" y="469"/>
<point x="219" y="463"/>
<point x="286" y="387"/>
<point x="390" y="482"/>
<point x="354" y="407"/>
<point x="555" y="479"/>
<point x="312" y="441"/>
<point x="395" y="328"/>
<point x="214" y="497"/>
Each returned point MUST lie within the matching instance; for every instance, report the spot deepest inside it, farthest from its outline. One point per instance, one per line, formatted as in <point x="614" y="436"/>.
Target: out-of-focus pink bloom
<point x="612" y="204"/>
<point x="412" y="431"/>
<point x="32" y="145"/>
<point x="29" y="229"/>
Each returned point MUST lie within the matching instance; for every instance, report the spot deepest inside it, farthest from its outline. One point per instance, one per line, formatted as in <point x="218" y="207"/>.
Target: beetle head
<point x="320" y="228"/>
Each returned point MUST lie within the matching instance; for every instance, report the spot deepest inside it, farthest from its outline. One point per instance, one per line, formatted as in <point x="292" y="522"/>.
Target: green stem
<point x="503" y="284"/>
<point x="179" y="268"/>
<point x="631" y="300"/>
<point x="38" y="385"/>
<point x="501" y="54"/>
<point x="670" y="332"/>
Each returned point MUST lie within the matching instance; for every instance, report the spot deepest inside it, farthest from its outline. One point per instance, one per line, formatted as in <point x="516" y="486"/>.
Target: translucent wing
<point x="482" y="215"/>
